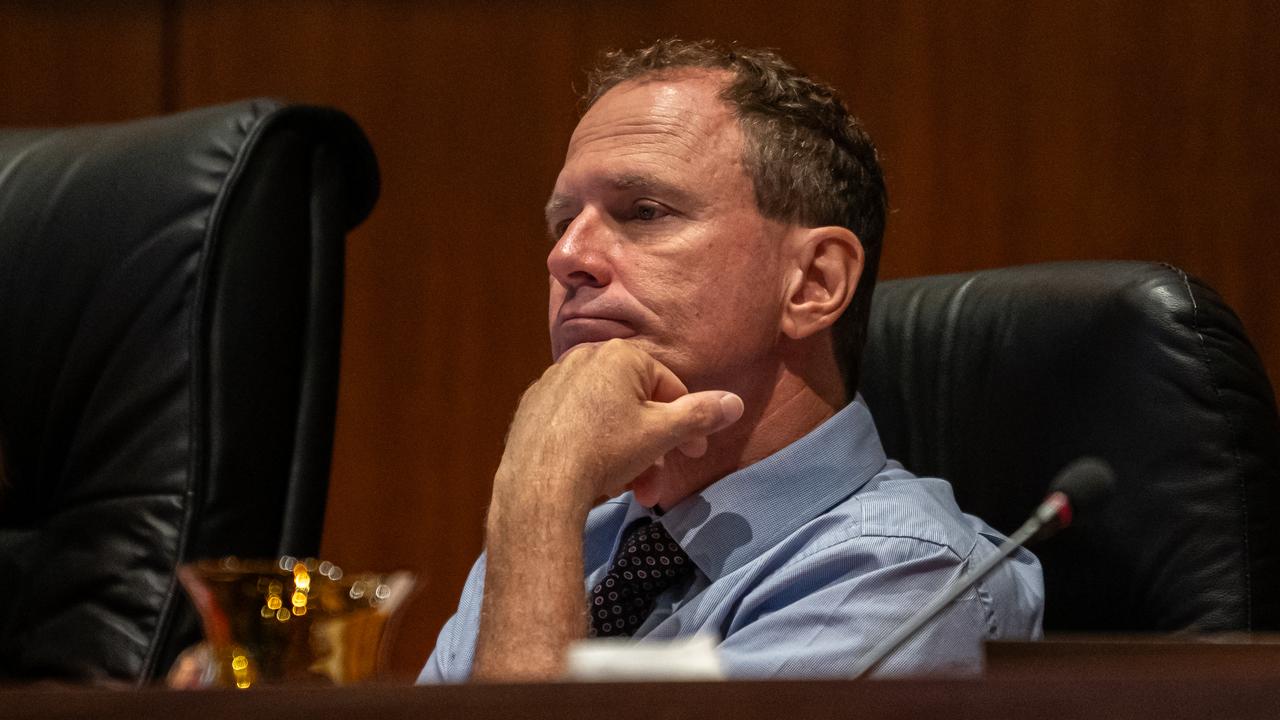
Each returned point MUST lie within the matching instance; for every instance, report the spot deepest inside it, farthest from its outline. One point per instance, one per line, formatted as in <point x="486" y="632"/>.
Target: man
<point x="716" y="229"/>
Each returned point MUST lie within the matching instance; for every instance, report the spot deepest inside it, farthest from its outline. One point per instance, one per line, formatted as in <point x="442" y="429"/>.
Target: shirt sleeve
<point x="450" y="661"/>
<point x="819" y="615"/>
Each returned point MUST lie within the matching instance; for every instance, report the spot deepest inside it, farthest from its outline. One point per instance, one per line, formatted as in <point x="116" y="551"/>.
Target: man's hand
<point x="193" y="669"/>
<point x="595" y="421"/>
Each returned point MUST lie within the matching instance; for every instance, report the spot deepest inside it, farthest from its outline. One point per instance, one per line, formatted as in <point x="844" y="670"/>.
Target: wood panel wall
<point x="1012" y="132"/>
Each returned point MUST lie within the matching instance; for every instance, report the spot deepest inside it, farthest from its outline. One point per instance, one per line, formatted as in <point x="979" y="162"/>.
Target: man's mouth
<point x="578" y="330"/>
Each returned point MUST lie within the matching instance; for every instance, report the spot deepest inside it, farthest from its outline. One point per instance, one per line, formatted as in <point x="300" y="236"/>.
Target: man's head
<point x="730" y="155"/>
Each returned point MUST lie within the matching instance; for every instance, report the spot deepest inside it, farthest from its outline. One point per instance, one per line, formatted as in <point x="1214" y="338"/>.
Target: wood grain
<point x="74" y="62"/>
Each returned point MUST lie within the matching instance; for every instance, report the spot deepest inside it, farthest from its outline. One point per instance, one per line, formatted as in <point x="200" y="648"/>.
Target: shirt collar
<point x="749" y="511"/>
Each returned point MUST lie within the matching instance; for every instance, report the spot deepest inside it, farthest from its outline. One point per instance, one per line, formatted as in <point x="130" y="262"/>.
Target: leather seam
<point x="197" y="332"/>
<point x="1235" y="450"/>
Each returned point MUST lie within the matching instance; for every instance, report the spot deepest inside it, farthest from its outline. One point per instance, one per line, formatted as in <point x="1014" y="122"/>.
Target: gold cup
<point x="292" y="621"/>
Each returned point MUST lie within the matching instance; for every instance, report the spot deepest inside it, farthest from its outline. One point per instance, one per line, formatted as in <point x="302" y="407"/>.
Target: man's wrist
<point x="537" y="502"/>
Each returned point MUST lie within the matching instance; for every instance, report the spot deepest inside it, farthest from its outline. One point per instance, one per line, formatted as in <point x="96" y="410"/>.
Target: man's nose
<point x="580" y="257"/>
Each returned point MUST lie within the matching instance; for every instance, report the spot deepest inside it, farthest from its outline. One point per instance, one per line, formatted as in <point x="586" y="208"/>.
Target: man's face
<point x="658" y="238"/>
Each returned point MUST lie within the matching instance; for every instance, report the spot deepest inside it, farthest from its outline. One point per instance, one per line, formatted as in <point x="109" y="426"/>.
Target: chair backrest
<point x="170" y="316"/>
<point x="997" y="379"/>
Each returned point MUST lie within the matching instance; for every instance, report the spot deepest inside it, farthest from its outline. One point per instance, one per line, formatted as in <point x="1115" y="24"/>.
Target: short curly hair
<point x="811" y="162"/>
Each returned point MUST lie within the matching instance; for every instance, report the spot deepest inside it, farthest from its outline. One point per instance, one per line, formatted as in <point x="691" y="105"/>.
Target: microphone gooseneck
<point x="1084" y="485"/>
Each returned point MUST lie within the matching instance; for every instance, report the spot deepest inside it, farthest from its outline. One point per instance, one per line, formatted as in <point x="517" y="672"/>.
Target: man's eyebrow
<point x="645" y="182"/>
<point x="555" y="205"/>
<point x="626" y="182"/>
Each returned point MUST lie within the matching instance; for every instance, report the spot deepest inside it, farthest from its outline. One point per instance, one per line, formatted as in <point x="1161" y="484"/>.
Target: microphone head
<point x="1088" y="483"/>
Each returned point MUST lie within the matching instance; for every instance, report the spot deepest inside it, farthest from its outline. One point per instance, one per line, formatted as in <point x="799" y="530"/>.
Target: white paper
<point x="692" y="658"/>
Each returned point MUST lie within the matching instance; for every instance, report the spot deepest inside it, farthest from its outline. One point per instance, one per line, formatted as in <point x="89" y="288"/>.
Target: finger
<point x="616" y="489"/>
<point x="696" y="415"/>
<point x="572" y="352"/>
<point x="649" y="472"/>
<point x="695" y="448"/>
<point x="664" y="386"/>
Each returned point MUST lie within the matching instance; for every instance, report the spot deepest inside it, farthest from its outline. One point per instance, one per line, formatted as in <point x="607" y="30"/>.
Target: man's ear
<point x="826" y="264"/>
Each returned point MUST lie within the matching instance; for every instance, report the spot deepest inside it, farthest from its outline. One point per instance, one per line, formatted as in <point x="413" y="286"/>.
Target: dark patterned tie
<point x="648" y="562"/>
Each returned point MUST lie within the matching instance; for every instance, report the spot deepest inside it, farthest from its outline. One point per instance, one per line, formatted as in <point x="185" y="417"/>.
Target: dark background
<point x="1011" y="132"/>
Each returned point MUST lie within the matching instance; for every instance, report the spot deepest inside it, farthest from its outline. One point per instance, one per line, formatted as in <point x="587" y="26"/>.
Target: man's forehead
<point x="647" y="132"/>
<point x="684" y="106"/>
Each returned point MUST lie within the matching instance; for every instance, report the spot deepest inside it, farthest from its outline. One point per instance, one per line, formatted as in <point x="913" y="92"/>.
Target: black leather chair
<point x="997" y="379"/>
<point x="170" y="313"/>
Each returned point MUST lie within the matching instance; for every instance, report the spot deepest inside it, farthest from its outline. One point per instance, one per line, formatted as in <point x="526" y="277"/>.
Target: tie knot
<point x="648" y="539"/>
<point x="648" y="562"/>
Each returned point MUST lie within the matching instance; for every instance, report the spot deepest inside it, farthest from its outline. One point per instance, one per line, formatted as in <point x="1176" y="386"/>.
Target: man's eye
<point x="558" y="230"/>
<point x="649" y="211"/>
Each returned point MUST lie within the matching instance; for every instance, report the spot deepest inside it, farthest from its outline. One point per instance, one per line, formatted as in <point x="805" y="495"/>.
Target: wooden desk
<point x="1051" y="698"/>
<point x="1225" y="657"/>
<point x="1140" y="680"/>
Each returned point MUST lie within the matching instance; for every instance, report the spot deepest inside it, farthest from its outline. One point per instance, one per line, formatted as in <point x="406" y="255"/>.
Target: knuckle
<point x="614" y="347"/>
<point x="575" y="354"/>
<point x="699" y="416"/>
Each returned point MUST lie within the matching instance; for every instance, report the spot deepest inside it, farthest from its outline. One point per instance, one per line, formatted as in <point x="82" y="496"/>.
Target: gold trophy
<point x="291" y="621"/>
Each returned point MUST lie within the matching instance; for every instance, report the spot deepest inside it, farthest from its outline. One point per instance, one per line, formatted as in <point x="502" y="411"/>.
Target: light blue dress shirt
<point x="805" y="560"/>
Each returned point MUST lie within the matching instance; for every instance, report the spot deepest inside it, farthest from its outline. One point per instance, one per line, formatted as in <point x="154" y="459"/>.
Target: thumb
<point x="694" y="416"/>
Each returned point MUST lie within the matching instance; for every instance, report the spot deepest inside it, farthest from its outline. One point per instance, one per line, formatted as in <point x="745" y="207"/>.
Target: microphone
<point x="1084" y="485"/>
